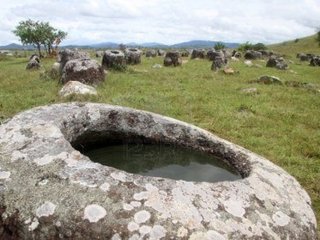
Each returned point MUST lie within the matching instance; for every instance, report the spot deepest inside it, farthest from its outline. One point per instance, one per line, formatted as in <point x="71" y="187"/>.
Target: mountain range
<point x="189" y="44"/>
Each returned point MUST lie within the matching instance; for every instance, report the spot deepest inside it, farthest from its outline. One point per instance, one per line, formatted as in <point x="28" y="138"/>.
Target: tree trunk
<point x="39" y="49"/>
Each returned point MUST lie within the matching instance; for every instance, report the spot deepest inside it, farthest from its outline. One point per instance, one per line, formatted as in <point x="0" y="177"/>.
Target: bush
<point x="219" y="46"/>
<point x="249" y="46"/>
<point x="259" y="46"/>
<point x="245" y="46"/>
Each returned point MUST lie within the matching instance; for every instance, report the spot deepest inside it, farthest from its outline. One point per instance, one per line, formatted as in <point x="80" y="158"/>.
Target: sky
<point x="166" y="21"/>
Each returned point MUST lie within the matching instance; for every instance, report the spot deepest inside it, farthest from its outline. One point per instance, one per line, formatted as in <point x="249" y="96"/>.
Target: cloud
<point x="92" y="21"/>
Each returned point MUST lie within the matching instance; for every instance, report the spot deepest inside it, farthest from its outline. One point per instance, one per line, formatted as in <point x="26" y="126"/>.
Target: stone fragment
<point x="78" y="88"/>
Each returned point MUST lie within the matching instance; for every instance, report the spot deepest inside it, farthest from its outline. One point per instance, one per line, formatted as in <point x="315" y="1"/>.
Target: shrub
<point x="219" y="46"/>
<point x="259" y="46"/>
<point x="245" y="46"/>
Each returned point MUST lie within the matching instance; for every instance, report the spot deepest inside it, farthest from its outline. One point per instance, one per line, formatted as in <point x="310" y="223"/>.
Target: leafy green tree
<point x="219" y="46"/>
<point x="39" y="34"/>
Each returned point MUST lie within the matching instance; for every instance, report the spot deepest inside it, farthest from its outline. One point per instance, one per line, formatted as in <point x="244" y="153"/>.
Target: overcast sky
<point x="166" y="21"/>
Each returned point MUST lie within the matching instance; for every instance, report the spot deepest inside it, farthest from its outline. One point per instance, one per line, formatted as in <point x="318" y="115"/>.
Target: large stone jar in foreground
<point x="49" y="190"/>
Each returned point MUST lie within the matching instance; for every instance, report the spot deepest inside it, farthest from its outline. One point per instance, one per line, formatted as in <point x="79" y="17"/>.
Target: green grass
<point x="303" y="45"/>
<point x="281" y="123"/>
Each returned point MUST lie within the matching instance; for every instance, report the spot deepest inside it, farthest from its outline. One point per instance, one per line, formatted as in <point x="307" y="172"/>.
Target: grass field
<point x="278" y="122"/>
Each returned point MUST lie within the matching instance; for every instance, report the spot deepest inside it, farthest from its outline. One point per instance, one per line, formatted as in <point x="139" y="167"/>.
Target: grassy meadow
<point x="279" y="122"/>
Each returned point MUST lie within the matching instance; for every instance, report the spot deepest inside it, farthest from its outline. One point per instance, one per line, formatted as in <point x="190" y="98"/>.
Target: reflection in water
<point x="164" y="161"/>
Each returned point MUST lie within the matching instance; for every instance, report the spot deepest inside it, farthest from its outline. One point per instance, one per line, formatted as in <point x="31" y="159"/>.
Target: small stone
<point x="228" y="71"/>
<point x="269" y="80"/>
<point x="248" y="63"/>
<point x="157" y="65"/>
<point x="249" y="90"/>
<point x="78" y="88"/>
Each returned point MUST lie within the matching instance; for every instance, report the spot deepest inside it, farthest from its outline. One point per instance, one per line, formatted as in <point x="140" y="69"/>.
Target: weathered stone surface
<point x="86" y="71"/>
<point x="227" y="54"/>
<point x="172" y="58"/>
<point x="277" y="62"/>
<point x="113" y="59"/>
<point x="212" y="55"/>
<point x="34" y="57"/>
<point x="151" y="53"/>
<point x="33" y="65"/>
<point x="99" y="54"/>
<point x="167" y="62"/>
<point x="133" y="56"/>
<point x="236" y="54"/>
<point x="217" y="63"/>
<point x="315" y="61"/>
<point x="75" y="87"/>
<point x="252" y="55"/>
<point x="161" y="52"/>
<point x="185" y="53"/>
<point x="198" y="53"/>
<point x="49" y="190"/>
<point x="68" y="54"/>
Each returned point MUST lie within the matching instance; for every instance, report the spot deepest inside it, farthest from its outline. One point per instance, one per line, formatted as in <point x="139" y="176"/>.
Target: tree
<point x="39" y="34"/>
<point x="219" y="46"/>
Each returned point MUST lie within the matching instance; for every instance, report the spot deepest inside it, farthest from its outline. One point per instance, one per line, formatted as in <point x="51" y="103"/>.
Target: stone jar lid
<point x="49" y="190"/>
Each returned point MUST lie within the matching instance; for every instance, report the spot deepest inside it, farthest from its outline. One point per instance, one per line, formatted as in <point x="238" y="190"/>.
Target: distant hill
<point x="14" y="46"/>
<point x="190" y="44"/>
<point x="299" y="45"/>
<point x="202" y="44"/>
